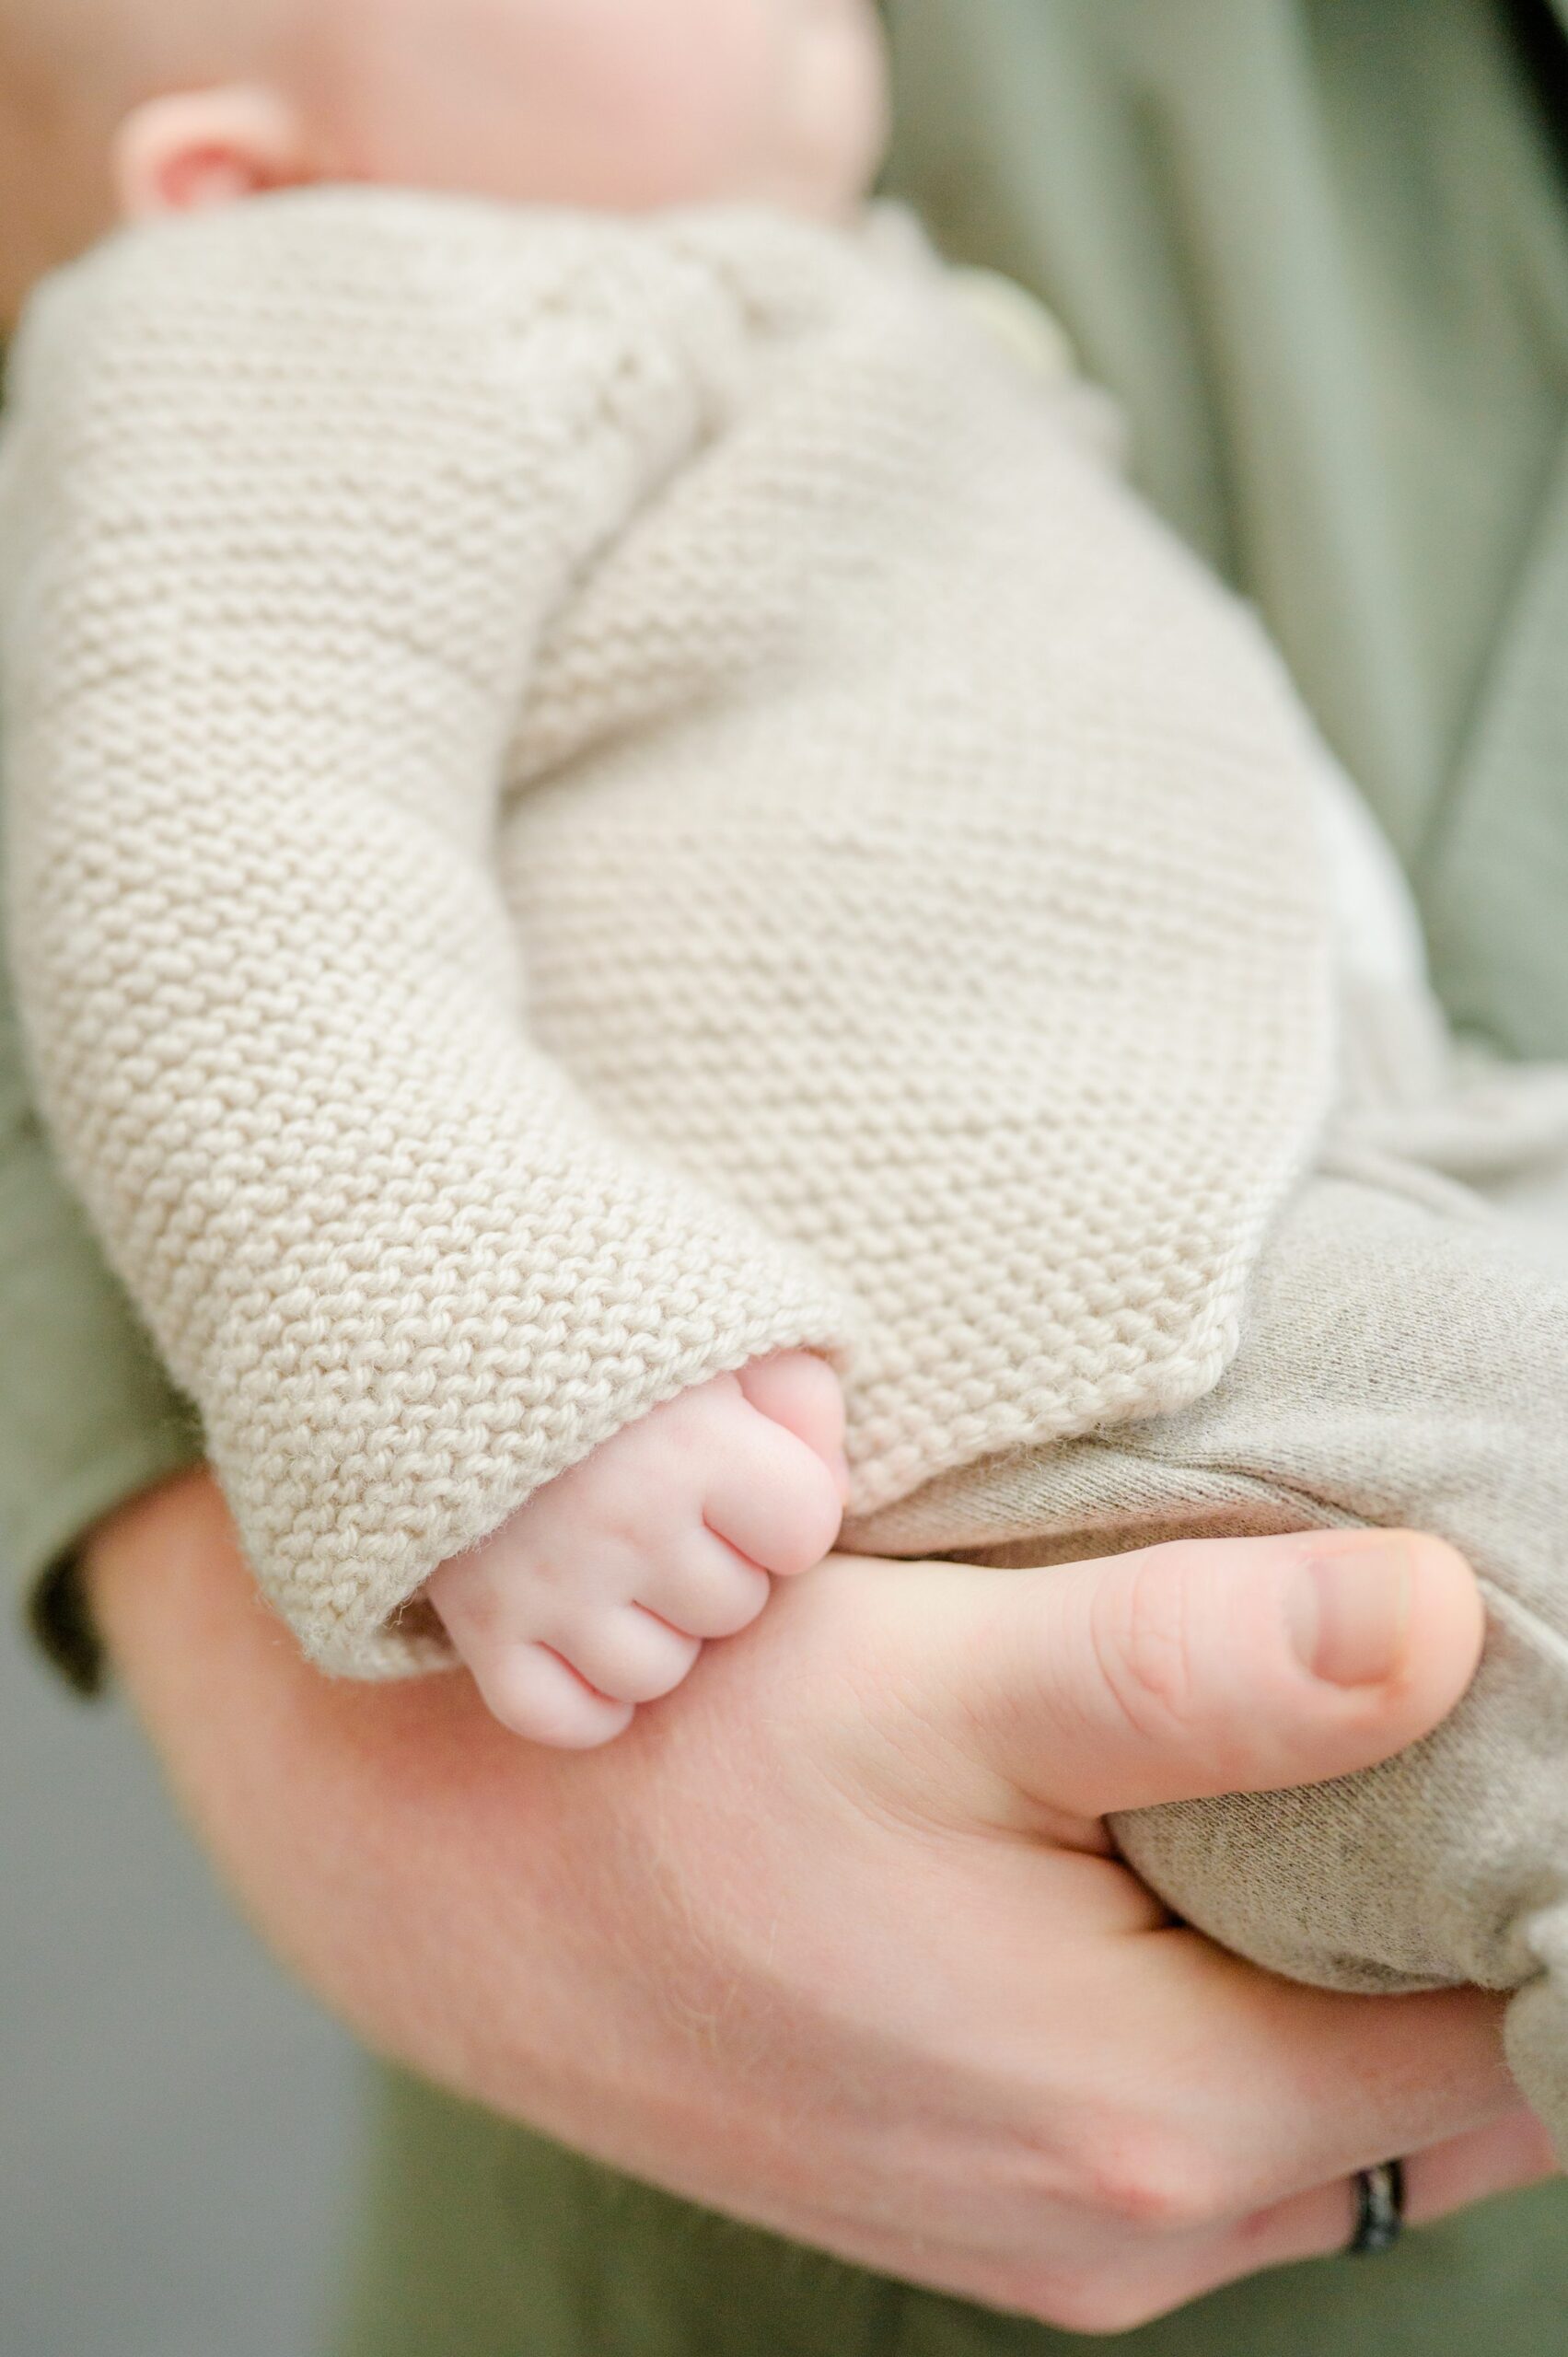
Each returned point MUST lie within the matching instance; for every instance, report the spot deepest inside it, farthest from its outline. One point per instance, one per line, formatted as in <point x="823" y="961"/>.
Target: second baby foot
<point x="600" y="1591"/>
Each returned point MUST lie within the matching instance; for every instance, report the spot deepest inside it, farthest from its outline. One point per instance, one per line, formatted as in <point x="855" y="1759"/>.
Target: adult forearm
<point x="337" y="1813"/>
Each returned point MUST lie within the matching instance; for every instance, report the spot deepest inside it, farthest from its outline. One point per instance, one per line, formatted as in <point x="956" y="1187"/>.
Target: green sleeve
<point x="87" y="1419"/>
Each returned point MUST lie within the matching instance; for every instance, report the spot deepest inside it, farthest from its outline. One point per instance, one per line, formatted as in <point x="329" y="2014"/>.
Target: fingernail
<point x="1349" y="1612"/>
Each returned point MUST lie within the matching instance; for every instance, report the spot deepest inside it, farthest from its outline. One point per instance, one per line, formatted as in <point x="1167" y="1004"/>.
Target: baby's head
<point x="155" y="105"/>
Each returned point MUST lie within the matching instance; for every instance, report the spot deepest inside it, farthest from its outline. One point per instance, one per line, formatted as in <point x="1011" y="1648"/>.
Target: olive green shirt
<point x="1319" y="250"/>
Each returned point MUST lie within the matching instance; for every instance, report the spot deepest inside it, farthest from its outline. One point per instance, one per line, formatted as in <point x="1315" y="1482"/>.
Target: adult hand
<point x="834" y="1940"/>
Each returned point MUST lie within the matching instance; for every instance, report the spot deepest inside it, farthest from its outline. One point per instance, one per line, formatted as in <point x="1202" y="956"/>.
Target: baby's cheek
<point x="681" y="95"/>
<point x="615" y="103"/>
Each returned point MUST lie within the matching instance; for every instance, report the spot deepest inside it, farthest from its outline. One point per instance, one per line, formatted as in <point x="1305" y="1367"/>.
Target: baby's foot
<point x="599" y="1591"/>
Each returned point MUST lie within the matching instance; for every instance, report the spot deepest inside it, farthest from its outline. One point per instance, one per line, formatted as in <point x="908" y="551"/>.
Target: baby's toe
<point x="706" y="1588"/>
<point x="533" y="1692"/>
<point x="629" y="1654"/>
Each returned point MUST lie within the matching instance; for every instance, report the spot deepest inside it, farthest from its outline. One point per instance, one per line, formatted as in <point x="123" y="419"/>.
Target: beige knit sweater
<point x="593" y="799"/>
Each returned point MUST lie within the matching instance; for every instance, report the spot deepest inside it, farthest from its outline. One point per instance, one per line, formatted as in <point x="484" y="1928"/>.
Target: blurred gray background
<point x="176" y="2127"/>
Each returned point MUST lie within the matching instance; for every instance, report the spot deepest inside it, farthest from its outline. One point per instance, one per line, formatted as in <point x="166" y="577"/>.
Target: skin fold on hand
<point x="834" y="1940"/>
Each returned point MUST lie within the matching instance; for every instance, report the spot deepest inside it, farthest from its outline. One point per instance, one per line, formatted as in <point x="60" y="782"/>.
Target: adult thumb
<point x="1203" y="1667"/>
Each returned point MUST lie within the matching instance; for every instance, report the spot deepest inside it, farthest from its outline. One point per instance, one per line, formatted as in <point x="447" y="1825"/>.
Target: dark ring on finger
<point x="1380" y="2210"/>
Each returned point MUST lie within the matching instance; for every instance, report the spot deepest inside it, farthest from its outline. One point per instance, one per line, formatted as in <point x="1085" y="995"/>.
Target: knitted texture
<point x="593" y="799"/>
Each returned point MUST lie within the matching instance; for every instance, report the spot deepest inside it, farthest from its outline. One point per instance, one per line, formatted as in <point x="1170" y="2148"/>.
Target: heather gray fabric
<point x="1405" y="1363"/>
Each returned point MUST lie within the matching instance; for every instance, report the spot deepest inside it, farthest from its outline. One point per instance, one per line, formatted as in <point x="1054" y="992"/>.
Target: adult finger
<point x="1199" y="1668"/>
<point x="1267" y="2090"/>
<point x="1119" y="2287"/>
<point x="1505" y="2158"/>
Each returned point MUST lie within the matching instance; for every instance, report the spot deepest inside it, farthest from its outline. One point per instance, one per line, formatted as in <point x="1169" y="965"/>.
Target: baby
<point x="649" y="908"/>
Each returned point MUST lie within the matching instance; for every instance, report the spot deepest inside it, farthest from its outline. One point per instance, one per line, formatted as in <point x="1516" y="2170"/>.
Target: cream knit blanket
<point x="593" y="799"/>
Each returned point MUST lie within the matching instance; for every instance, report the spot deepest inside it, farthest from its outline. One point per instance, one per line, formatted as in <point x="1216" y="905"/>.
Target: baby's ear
<point x="199" y="148"/>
